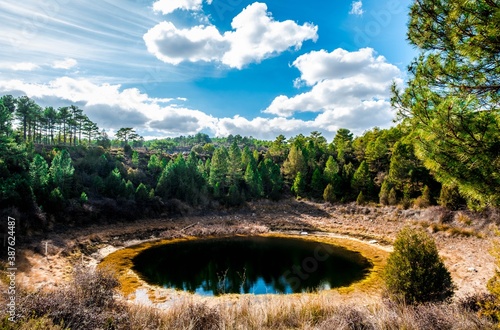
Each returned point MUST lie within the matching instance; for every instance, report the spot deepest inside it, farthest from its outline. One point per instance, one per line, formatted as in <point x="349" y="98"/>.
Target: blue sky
<point x="178" y="67"/>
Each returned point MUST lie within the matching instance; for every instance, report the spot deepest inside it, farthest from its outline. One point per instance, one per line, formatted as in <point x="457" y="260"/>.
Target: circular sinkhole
<point x="256" y="265"/>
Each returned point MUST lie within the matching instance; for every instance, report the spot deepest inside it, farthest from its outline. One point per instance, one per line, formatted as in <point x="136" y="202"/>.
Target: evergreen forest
<point x="57" y="165"/>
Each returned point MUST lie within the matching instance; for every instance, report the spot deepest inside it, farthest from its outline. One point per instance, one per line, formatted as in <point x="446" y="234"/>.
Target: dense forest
<point x="57" y="164"/>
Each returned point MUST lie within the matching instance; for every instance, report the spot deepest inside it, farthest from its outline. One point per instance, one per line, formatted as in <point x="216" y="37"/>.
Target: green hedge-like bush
<point x="415" y="273"/>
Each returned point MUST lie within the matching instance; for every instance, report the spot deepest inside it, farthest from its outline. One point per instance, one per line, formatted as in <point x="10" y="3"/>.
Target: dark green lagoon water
<point x="257" y="265"/>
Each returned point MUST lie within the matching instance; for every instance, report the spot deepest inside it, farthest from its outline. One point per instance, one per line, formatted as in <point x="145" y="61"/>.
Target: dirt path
<point x="462" y="243"/>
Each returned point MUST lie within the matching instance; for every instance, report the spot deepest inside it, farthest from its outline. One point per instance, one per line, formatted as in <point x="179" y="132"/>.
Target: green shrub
<point x="127" y="149"/>
<point x="361" y="199"/>
<point x="415" y="273"/>
<point x="392" y="198"/>
<point x="384" y="193"/>
<point x="329" y="194"/>
<point x="84" y="198"/>
<point x="424" y="200"/>
<point x="491" y="307"/>
<point x="450" y="197"/>
<point x="299" y="185"/>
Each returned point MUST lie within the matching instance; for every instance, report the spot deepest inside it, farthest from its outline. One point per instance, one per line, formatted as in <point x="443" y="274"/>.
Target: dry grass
<point x="312" y="313"/>
<point x="449" y="229"/>
<point x="318" y="312"/>
<point x="90" y="302"/>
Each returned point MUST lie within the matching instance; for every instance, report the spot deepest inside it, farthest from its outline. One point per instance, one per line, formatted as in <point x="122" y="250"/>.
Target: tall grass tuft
<point x="86" y="303"/>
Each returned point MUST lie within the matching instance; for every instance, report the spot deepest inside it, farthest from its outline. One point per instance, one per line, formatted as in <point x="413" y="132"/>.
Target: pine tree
<point x="234" y="196"/>
<point x="317" y="183"/>
<point x="247" y="158"/>
<point x="253" y="181"/>
<point x="155" y="166"/>
<point x="63" y="116"/>
<point x="90" y="129"/>
<point x="39" y="176"/>
<point x="7" y="109"/>
<point x="295" y="163"/>
<point x="50" y="114"/>
<point x="453" y="94"/>
<point x="181" y="180"/>
<point x="135" y="158"/>
<point x="126" y="133"/>
<point x="392" y="199"/>
<point x="24" y="112"/>
<point x="360" y="200"/>
<point x="277" y="150"/>
<point x="376" y="154"/>
<point x="361" y="180"/>
<point x="384" y="193"/>
<point x="343" y="145"/>
<point x="61" y="172"/>
<point x="331" y="169"/>
<point x="406" y="170"/>
<point x="235" y="171"/>
<point x="329" y="194"/>
<point x="129" y="190"/>
<point x="83" y="198"/>
<point x="425" y="199"/>
<point x="113" y="184"/>
<point x="299" y="185"/>
<point x="56" y="200"/>
<point x="272" y="181"/>
<point x="141" y="194"/>
<point x="344" y="184"/>
<point x="218" y="171"/>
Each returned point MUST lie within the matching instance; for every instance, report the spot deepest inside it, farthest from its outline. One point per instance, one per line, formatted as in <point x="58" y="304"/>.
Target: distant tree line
<point x="57" y="158"/>
<point x="64" y="125"/>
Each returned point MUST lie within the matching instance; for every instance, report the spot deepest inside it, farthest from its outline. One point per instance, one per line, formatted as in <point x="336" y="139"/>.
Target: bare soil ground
<point x="463" y="238"/>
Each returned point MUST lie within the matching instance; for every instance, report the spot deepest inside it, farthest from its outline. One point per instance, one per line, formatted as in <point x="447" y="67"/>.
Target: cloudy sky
<point x="178" y="67"/>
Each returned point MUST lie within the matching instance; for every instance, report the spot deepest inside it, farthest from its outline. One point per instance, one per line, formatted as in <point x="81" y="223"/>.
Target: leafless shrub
<point x="86" y="303"/>
<point x="438" y="214"/>
<point x="348" y="318"/>
<point x="194" y="316"/>
<point x="396" y="315"/>
<point x="147" y="318"/>
<point x="473" y="302"/>
<point x="432" y="316"/>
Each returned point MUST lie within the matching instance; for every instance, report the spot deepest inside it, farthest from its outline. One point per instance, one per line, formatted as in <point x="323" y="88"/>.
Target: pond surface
<point x="257" y="265"/>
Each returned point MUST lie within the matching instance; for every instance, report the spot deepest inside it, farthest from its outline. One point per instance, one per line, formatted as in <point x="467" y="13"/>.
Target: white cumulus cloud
<point x="255" y="37"/>
<point x="347" y="88"/>
<point x="112" y="107"/>
<point x="169" y="6"/>
<point x="172" y="45"/>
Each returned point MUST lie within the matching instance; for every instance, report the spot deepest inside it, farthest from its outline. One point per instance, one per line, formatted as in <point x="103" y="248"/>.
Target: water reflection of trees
<point x="236" y="265"/>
